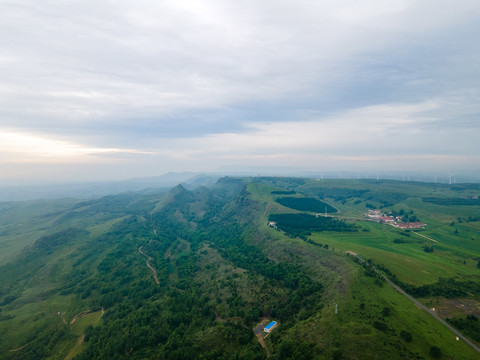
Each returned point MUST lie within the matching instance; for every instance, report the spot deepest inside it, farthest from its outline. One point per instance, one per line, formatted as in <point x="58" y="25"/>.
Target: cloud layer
<point x="179" y="85"/>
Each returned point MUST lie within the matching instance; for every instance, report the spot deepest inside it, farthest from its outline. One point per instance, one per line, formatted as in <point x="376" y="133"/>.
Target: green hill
<point x="188" y="274"/>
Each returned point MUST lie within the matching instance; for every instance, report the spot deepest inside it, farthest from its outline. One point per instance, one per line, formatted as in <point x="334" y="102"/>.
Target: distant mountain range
<point x="191" y="180"/>
<point x="97" y="189"/>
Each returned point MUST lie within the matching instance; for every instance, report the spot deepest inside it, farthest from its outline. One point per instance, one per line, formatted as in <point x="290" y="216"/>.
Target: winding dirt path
<point x="148" y="264"/>
<point x="79" y="315"/>
<point x="79" y="342"/>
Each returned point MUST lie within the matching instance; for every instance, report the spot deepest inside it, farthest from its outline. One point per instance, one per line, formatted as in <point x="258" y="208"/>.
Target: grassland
<point x="457" y="246"/>
<point x="35" y="275"/>
<point x="22" y="223"/>
<point x="455" y="255"/>
<point x="353" y="335"/>
<point x="408" y="260"/>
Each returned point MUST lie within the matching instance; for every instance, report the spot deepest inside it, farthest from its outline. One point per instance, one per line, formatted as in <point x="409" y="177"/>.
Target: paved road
<point x="431" y="312"/>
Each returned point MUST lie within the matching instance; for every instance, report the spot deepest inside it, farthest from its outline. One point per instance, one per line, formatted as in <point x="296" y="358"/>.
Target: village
<point x="395" y="221"/>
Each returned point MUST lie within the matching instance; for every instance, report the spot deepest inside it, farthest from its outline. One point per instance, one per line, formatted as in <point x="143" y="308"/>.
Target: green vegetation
<point x="428" y="249"/>
<point x="306" y="204"/>
<point x="452" y="201"/>
<point x="78" y="285"/>
<point x="283" y="192"/>
<point x="340" y="194"/>
<point x="383" y="197"/>
<point x="303" y="225"/>
<point x="448" y="288"/>
<point x="469" y="325"/>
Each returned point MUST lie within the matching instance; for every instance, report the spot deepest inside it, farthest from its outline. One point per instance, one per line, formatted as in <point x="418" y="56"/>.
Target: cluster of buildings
<point x="396" y="221"/>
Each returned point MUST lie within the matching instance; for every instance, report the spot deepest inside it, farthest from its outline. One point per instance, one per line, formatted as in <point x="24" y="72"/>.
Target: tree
<point x="428" y="249"/>
<point x="405" y="335"/>
<point x="337" y="355"/>
<point x="435" y="352"/>
<point x="380" y="326"/>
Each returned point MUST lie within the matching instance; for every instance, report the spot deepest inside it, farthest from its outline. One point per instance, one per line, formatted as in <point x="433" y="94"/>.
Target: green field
<point x="354" y="338"/>
<point x="455" y="254"/>
<point x="406" y="259"/>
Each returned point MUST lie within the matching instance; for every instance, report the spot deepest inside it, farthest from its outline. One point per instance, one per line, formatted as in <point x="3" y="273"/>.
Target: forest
<point x="452" y="201"/>
<point x="306" y="204"/>
<point x="302" y="224"/>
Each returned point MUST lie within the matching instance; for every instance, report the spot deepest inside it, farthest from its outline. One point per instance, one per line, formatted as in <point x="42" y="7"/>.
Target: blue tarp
<point x="269" y="326"/>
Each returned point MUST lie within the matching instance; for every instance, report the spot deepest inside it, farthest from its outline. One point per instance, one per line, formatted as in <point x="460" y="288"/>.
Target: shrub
<point x="380" y="326"/>
<point x="405" y="335"/>
<point x="435" y="352"/>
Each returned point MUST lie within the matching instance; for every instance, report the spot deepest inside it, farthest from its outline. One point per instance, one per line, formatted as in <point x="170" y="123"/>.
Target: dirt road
<point x="258" y="330"/>
<point x="19" y="348"/>
<point x="426" y="237"/>
<point x="73" y="350"/>
<point x="266" y="209"/>
<point x="79" y="315"/>
<point x="148" y="264"/>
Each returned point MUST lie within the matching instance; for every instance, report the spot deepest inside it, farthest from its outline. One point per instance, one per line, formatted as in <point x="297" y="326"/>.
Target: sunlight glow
<point x="17" y="146"/>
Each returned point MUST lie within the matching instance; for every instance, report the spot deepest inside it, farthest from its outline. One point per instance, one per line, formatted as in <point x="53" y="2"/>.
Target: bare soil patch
<point x="448" y="308"/>
<point x="258" y="330"/>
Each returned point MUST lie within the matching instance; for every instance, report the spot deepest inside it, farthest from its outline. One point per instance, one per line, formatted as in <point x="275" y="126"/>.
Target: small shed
<point x="270" y="327"/>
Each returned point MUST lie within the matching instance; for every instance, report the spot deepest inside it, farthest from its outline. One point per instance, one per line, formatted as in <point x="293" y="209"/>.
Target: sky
<point x="104" y="90"/>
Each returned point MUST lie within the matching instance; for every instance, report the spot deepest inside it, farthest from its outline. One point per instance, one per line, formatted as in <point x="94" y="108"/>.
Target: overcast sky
<point x="94" y="90"/>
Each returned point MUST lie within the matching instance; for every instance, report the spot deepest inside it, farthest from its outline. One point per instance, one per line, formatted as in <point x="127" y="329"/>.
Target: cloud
<point x="158" y="58"/>
<point x="21" y="147"/>
<point x="204" y="82"/>
<point x="385" y="135"/>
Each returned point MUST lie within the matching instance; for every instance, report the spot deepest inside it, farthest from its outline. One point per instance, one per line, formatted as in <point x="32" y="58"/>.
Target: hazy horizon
<point x="98" y="91"/>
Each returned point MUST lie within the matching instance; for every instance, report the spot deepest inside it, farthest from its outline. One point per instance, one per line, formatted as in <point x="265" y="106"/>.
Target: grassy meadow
<point x="456" y="246"/>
